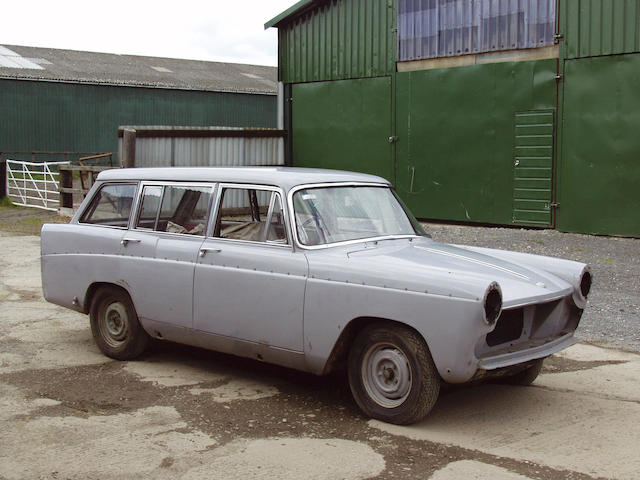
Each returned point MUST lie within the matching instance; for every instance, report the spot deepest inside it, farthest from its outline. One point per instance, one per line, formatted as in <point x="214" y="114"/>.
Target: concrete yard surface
<point x="581" y="419"/>
<point x="68" y="412"/>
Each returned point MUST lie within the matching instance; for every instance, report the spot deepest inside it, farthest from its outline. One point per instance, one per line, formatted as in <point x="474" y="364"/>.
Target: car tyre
<point x="392" y="375"/>
<point x="526" y="376"/>
<point x="115" y="326"/>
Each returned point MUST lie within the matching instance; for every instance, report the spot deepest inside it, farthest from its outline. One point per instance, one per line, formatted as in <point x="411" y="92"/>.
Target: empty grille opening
<point x="508" y="328"/>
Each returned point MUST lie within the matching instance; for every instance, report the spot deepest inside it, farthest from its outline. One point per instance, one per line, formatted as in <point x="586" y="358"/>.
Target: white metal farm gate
<point x="34" y="184"/>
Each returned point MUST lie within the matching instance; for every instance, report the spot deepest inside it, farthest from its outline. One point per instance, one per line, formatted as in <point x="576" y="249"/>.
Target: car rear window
<point x="111" y="206"/>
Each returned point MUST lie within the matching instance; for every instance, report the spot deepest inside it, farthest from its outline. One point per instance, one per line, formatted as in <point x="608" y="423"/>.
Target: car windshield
<point x="326" y="215"/>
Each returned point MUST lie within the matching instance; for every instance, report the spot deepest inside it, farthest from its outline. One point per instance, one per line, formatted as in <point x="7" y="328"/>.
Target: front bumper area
<point x="532" y="350"/>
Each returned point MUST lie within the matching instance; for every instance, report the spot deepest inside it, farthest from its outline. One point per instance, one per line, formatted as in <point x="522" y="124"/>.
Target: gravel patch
<point x="612" y="316"/>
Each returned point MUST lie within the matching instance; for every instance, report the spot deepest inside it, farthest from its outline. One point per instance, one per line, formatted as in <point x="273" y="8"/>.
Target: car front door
<point x="249" y="282"/>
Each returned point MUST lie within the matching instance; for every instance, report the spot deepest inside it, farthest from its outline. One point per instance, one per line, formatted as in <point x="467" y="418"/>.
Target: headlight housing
<point x="492" y="303"/>
<point x="585" y="283"/>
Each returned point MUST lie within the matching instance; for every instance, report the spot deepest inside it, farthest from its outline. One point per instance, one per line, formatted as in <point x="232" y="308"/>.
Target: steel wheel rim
<point x="386" y="375"/>
<point x="114" y="324"/>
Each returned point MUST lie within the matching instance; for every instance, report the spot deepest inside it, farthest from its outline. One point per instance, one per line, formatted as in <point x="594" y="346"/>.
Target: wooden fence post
<point x="66" y="181"/>
<point x="128" y="159"/>
<point x="3" y="178"/>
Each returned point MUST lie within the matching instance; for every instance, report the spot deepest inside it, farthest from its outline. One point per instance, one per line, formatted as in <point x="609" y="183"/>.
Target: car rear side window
<point x="111" y="206"/>
<point x="175" y="209"/>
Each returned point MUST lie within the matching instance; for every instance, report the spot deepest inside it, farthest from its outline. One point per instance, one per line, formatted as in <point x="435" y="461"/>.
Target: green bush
<point x="6" y="203"/>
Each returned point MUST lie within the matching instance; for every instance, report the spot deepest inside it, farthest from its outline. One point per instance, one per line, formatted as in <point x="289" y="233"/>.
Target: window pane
<point x="111" y="206"/>
<point x="244" y="213"/>
<point x="277" y="232"/>
<point x="184" y="210"/>
<point x="337" y="214"/>
<point x="149" y="210"/>
<point x="460" y="27"/>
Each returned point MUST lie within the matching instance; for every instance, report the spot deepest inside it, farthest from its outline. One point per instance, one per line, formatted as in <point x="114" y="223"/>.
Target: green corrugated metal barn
<point x="513" y="112"/>
<point x="70" y="101"/>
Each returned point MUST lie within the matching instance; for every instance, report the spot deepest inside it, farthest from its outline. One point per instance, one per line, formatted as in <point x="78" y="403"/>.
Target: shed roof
<point x="284" y="177"/>
<point x="47" y="64"/>
<point x="289" y="13"/>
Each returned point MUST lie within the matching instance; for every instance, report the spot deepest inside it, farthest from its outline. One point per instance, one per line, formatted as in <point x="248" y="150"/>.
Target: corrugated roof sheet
<point x="33" y="63"/>
<point x="289" y="13"/>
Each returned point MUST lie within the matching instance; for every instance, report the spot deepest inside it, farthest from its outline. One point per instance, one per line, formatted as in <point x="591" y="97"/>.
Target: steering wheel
<point x="302" y="229"/>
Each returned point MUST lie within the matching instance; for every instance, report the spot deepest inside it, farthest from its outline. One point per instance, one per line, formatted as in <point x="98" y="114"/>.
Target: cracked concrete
<point x="577" y="420"/>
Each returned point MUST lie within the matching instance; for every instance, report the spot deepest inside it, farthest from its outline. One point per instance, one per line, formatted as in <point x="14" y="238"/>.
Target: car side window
<point x="251" y="214"/>
<point x="184" y="210"/>
<point x="151" y="196"/>
<point x="111" y="206"/>
<point x="174" y="209"/>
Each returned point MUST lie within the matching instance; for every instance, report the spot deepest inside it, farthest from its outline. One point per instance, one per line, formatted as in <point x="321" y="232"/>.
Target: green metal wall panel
<point x="338" y="40"/>
<point x="73" y="117"/>
<point x="343" y="125"/>
<point x="599" y="169"/>
<point x="455" y="132"/>
<point x="533" y="167"/>
<point x="600" y="27"/>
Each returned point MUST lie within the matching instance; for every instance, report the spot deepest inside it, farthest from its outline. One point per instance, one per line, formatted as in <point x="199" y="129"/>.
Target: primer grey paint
<point x="289" y="305"/>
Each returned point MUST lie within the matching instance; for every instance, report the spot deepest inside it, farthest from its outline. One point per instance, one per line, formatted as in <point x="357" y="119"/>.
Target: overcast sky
<point x="215" y="30"/>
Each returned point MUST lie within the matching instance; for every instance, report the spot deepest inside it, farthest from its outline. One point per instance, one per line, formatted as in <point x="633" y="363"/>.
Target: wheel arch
<point x="340" y="352"/>
<point x="95" y="287"/>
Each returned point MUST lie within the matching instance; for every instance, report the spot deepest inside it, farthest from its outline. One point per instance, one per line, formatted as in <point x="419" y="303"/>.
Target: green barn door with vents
<point x="473" y="138"/>
<point x="533" y="167"/>
<point x="343" y="125"/>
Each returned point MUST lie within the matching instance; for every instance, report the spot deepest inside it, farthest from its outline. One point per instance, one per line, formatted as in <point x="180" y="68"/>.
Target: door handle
<point x="126" y="241"/>
<point x="205" y="250"/>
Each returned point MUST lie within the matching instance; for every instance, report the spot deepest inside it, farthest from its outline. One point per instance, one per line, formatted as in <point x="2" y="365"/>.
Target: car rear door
<point x="162" y="250"/>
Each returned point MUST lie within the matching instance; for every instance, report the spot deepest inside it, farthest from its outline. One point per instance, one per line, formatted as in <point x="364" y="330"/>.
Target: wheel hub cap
<point x="115" y="322"/>
<point x="386" y="375"/>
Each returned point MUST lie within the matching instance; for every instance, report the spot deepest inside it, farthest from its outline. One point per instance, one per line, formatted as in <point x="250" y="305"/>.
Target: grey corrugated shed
<point x="48" y="64"/>
<point x="163" y="146"/>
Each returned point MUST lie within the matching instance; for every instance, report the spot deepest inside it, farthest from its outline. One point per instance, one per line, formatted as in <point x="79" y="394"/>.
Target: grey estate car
<point x="310" y="269"/>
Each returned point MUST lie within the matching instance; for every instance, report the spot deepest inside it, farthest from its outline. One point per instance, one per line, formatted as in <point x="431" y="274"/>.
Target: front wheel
<point x="115" y="326"/>
<point x="392" y="375"/>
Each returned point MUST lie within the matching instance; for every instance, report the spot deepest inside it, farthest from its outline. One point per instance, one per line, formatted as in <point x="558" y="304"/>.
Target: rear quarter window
<point x="111" y="206"/>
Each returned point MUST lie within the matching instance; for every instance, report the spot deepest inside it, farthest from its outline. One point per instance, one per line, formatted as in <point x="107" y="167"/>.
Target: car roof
<point x="284" y="177"/>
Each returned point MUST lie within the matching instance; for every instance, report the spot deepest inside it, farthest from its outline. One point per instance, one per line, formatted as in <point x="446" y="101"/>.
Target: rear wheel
<point x="115" y="326"/>
<point x="526" y="376"/>
<point x="392" y="375"/>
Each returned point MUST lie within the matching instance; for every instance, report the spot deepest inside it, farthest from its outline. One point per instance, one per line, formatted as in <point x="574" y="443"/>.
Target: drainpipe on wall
<point x="280" y="124"/>
<point x="280" y="113"/>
